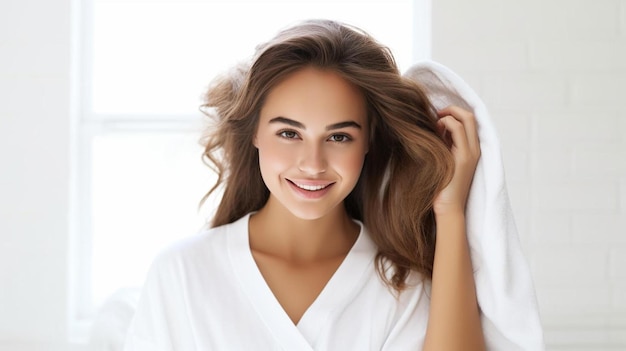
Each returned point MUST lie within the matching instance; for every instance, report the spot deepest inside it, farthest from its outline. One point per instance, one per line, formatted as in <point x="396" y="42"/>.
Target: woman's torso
<point x="207" y="293"/>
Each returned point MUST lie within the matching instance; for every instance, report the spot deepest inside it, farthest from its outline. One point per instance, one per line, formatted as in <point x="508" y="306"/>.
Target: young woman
<point x="341" y="225"/>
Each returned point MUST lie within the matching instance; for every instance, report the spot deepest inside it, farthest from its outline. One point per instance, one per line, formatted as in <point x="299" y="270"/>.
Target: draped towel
<point x="504" y="286"/>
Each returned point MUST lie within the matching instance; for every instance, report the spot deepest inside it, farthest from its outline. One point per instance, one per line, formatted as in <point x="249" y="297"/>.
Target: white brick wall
<point x="553" y="73"/>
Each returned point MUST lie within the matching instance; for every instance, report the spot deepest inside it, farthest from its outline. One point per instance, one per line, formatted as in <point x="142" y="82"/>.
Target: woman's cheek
<point x="274" y="155"/>
<point x="351" y="163"/>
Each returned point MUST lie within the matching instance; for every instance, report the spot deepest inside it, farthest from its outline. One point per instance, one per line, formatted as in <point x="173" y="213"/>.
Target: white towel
<point x="504" y="286"/>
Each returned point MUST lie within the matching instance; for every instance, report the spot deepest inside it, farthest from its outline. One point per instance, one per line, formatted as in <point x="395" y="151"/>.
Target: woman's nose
<point x="312" y="160"/>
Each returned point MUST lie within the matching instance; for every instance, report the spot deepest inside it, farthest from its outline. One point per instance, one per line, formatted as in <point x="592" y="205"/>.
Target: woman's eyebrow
<point x="343" y="125"/>
<point x="288" y="121"/>
<point x="297" y="124"/>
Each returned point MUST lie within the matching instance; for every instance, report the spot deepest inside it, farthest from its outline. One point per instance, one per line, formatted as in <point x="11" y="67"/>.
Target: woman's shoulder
<point x="206" y="246"/>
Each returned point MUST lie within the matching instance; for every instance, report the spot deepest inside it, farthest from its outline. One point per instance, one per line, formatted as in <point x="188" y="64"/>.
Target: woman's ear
<point x="254" y="141"/>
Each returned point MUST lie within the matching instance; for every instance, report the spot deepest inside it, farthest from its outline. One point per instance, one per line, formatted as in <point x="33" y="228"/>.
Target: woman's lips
<point x="310" y="189"/>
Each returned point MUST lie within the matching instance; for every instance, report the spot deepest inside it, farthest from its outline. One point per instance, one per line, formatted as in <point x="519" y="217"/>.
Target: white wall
<point x="34" y="179"/>
<point x="553" y="73"/>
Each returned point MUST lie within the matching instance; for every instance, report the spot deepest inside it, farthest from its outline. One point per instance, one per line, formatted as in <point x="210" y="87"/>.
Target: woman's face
<point x="312" y="140"/>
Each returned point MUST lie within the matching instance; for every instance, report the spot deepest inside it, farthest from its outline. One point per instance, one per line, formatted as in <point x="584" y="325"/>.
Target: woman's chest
<point x="296" y="285"/>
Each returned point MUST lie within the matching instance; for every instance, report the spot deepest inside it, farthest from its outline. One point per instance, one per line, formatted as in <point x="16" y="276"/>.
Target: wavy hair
<point x="407" y="164"/>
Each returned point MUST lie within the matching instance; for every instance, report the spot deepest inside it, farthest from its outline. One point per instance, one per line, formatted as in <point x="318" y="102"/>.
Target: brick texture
<point x="553" y="75"/>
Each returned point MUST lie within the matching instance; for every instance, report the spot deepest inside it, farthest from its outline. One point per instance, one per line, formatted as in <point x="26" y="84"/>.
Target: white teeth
<point x="311" y="187"/>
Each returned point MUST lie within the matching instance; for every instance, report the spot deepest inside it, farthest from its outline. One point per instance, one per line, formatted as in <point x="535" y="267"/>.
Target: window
<point x="144" y="65"/>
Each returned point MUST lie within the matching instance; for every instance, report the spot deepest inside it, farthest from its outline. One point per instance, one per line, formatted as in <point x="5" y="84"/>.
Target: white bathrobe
<point x="206" y="293"/>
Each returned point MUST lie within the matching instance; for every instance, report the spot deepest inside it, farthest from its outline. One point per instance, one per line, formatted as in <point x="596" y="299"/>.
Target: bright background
<point x="102" y="163"/>
<point x="140" y="120"/>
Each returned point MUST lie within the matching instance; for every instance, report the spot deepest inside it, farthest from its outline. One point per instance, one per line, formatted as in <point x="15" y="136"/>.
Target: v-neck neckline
<point x="342" y="285"/>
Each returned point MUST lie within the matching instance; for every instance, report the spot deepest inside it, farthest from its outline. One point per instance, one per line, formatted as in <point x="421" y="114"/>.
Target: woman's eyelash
<point x="344" y="138"/>
<point x="287" y="134"/>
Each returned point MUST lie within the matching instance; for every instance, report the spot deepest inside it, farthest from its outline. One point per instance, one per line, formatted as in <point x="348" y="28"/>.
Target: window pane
<point x="146" y="189"/>
<point x="157" y="57"/>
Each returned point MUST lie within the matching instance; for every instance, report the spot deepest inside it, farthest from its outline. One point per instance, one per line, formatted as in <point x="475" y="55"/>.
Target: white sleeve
<point x="149" y="329"/>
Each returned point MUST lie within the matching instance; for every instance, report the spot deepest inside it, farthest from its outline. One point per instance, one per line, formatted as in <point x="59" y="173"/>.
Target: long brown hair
<point x="407" y="163"/>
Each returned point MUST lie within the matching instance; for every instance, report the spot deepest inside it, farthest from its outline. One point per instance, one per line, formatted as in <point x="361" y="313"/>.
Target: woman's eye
<point x="288" y="134"/>
<point x="339" y="138"/>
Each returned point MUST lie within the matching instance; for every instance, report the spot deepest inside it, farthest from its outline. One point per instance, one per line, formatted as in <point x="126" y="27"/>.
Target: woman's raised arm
<point x="454" y="320"/>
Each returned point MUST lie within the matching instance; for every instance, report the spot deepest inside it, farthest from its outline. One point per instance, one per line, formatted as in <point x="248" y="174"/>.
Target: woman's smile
<point x="310" y="189"/>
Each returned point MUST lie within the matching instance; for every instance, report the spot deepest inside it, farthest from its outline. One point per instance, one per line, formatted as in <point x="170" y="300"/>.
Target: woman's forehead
<point x="316" y="96"/>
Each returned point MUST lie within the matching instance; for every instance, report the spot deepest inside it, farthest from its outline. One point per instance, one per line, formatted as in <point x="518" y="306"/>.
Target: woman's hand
<point x="459" y="130"/>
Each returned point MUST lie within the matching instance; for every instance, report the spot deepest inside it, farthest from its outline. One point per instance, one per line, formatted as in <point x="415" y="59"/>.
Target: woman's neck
<point x="274" y="230"/>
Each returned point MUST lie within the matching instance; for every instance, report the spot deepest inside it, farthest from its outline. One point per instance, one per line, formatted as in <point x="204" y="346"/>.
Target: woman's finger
<point x="469" y="122"/>
<point x="457" y="132"/>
